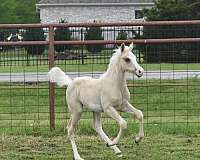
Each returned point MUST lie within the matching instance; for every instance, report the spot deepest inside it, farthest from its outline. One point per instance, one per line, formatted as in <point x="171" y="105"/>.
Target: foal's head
<point x="128" y="60"/>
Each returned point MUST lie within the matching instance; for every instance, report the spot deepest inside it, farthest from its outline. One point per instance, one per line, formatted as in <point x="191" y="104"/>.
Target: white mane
<point x="112" y="69"/>
<point x="114" y="58"/>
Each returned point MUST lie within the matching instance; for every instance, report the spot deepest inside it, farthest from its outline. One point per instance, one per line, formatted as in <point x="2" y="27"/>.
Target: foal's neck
<point x="116" y="74"/>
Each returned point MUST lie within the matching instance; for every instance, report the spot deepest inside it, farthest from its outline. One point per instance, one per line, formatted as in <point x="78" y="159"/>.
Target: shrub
<point x="122" y="35"/>
<point x="94" y="33"/>
<point x="1" y="39"/>
<point x="171" y="52"/>
<point x="34" y="34"/>
<point x="1" y="36"/>
<point x="62" y="34"/>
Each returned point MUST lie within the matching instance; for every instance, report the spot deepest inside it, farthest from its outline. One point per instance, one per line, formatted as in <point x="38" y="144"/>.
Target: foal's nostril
<point x="139" y="71"/>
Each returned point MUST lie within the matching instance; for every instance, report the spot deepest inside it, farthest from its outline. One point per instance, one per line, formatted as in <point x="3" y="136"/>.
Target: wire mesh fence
<point x="168" y="93"/>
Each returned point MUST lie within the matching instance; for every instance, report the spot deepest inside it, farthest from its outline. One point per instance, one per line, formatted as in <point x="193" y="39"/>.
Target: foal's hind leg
<point x="75" y="116"/>
<point x="98" y="127"/>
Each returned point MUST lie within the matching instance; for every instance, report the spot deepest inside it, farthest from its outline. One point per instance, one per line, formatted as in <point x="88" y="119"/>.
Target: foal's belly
<point x="89" y="94"/>
<point x="95" y="107"/>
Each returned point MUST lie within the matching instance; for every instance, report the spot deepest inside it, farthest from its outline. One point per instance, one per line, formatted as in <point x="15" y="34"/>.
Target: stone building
<point x="72" y="11"/>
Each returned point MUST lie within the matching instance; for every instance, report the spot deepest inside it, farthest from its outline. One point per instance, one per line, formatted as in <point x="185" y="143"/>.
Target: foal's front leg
<point x="112" y="112"/>
<point x="98" y="127"/>
<point x="139" y="115"/>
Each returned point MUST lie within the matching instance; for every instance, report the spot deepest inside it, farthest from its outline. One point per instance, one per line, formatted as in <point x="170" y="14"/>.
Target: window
<point x="138" y="14"/>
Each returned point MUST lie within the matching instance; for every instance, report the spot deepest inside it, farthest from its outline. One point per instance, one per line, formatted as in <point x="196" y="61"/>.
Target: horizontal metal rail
<point x="90" y="42"/>
<point x="23" y="43"/>
<point x="38" y="25"/>
<point x="135" y="23"/>
<point x="135" y="41"/>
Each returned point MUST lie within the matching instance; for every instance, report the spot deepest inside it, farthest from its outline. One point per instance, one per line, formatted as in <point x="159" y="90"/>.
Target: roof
<point x="94" y="1"/>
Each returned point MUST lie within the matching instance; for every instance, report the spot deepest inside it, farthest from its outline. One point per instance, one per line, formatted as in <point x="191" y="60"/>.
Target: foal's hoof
<point x="113" y="143"/>
<point x="119" y="154"/>
<point x="78" y="158"/>
<point x="110" y="145"/>
<point x="136" y="142"/>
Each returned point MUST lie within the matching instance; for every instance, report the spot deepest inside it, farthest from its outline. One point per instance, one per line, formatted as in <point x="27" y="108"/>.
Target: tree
<point x="18" y="11"/>
<point x="34" y="34"/>
<point x="168" y="10"/>
<point x="171" y="10"/>
<point x="122" y="35"/>
<point x="25" y="11"/>
<point x="94" y="33"/>
<point x="62" y="34"/>
<point x="194" y="6"/>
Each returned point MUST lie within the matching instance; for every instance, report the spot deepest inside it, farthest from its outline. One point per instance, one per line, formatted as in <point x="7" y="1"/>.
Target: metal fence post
<point x="139" y="33"/>
<point x="82" y="55"/>
<point x="51" y="85"/>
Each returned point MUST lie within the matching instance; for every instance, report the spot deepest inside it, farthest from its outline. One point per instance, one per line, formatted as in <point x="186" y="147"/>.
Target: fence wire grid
<point x="168" y="93"/>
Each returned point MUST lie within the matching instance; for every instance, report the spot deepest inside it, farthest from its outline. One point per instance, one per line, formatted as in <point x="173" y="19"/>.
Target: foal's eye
<point x="127" y="60"/>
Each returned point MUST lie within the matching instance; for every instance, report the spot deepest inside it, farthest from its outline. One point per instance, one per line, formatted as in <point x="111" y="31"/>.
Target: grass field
<point x="78" y="67"/>
<point x="56" y="147"/>
<point x="171" y="110"/>
<point x="167" y="101"/>
<point x="172" y="124"/>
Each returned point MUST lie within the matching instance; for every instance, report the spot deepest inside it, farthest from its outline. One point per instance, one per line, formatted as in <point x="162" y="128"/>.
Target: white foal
<point x="108" y="94"/>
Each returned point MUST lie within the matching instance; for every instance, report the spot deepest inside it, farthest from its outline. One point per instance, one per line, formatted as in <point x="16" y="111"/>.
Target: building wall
<point x="73" y="14"/>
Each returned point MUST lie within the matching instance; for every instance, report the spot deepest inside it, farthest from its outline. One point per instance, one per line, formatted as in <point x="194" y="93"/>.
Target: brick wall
<point x="53" y="14"/>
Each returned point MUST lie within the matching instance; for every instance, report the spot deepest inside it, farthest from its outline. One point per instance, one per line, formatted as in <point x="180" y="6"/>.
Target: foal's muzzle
<point x="139" y="72"/>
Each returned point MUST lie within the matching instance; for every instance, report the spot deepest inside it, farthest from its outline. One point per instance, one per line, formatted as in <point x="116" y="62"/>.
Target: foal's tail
<point x="58" y="76"/>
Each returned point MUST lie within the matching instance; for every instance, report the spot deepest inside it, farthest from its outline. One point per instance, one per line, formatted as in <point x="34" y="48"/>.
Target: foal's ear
<point x="122" y="47"/>
<point x="131" y="46"/>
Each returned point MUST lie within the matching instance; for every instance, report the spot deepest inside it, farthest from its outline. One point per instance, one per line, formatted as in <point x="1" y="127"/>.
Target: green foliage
<point x="34" y="34"/>
<point x="62" y="34"/>
<point x="1" y="39"/>
<point x="168" y="10"/>
<point x="194" y="6"/>
<point x="18" y="11"/>
<point x="1" y="35"/>
<point x="122" y="35"/>
<point x="171" y="10"/>
<point x="94" y="33"/>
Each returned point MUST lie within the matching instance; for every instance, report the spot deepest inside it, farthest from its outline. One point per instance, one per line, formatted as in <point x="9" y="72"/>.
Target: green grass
<point x="95" y="67"/>
<point x="172" y="124"/>
<point x="167" y="101"/>
<point x="56" y="147"/>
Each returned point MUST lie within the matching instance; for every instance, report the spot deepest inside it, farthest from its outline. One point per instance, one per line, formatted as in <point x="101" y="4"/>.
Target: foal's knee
<point x="123" y="124"/>
<point x="139" y="115"/>
<point x="70" y="131"/>
<point x="96" y="127"/>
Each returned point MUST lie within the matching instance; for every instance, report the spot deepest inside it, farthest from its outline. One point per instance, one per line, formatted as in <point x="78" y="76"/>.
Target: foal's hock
<point x="108" y="94"/>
